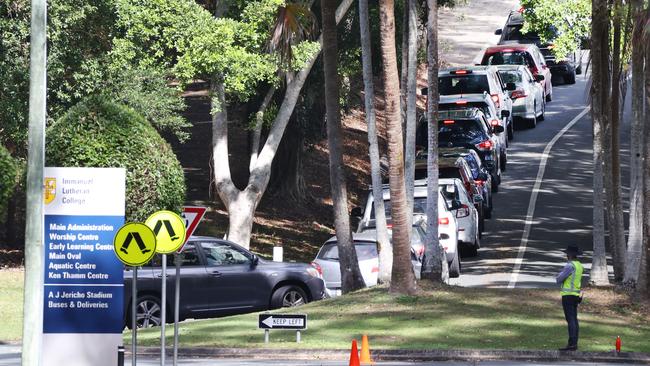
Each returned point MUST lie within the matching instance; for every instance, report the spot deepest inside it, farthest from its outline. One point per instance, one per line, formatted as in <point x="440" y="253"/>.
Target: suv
<point x="469" y="128"/>
<point x="566" y="68"/>
<point x="466" y="214"/>
<point x="465" y="81"/>
<point x="480" y="174"/>
<point x="522" y="54"/>
<point x="486" y="104"/>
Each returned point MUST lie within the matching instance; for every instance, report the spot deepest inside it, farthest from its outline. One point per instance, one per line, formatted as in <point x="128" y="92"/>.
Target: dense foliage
<point x="7" y="178"/>
<point x="563" y="23"/>
<point x="100" y="133"/>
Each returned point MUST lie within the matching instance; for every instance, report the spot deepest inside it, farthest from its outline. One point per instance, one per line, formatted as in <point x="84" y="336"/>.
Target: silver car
<point x="528" y="103"/>
<point x="365" y="244"/>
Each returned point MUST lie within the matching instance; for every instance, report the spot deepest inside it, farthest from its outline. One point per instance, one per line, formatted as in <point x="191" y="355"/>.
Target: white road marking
<point x="533" y="198"/>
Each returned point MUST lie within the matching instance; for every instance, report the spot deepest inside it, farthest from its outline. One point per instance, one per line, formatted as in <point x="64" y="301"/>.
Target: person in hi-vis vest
<point x="571" y="280"/>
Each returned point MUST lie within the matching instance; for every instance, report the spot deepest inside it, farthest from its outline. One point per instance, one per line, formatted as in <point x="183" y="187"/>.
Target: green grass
<point x="11" y="304"/>
<point x="448" y="318"/>
<point x="451" y="318"/>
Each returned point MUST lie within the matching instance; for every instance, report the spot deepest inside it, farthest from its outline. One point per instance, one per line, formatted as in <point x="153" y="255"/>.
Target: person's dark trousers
<point x="570" y="306"/>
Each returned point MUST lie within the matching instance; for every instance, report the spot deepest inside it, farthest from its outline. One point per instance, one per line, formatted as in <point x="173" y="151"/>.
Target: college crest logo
<point x="50" y="190"/>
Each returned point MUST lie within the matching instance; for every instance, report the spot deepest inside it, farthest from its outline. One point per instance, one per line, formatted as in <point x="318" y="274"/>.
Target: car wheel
<point x="549" y="96"/>
<point x="148" y="312"/>
<point x="570" y="78"/>
<point x="288" y="296"/>
<point x="473" y="250"/>
<point x="542" y="115"/>
<point x="579" y="70"/>
<point x="511" y="131"/>
<point x="454" y="266"/>
<point x="532" y="122"/>
<point x="504" y="161"/>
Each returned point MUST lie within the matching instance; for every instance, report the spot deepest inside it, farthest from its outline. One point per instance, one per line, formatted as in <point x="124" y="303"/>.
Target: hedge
<point x="8" y="172"/>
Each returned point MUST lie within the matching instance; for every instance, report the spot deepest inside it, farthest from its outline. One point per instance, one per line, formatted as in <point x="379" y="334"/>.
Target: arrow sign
<point x="192" y="216"/>
<point x="282" y="321"/>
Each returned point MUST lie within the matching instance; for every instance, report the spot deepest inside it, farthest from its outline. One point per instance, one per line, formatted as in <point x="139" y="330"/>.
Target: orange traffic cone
<point x="365" y="351"/>
<point x="354" y="354"/>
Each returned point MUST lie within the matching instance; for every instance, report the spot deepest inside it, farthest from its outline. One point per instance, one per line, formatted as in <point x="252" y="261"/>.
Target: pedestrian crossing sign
<point x="169" y="229"/>
<point x="134" y="244"/>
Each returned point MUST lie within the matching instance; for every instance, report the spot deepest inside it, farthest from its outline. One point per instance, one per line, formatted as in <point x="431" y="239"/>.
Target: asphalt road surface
<point x="562" y="213"/>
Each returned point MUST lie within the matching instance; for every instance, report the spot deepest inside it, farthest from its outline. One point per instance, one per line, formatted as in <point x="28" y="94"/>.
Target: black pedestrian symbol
<point x="168" y="227"/>
<point x="138" y="239"/>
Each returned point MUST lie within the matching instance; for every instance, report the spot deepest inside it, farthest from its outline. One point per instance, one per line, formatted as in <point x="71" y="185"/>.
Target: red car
<point x="522" y="54"/>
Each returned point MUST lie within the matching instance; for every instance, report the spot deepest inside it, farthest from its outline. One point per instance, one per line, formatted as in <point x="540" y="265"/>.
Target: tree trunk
<point x="434" y="266"/>
<point x="260" y="173"/>
<point x="599" y="89"/>
<point x="351" y="278"/>
<point x="411" y="106"/>
<point x="635" y="238"/>
<point x="403" y="81"/>
<point x="611" y="147"/>
<point x="646" y="163"/>
<point x="259" y="124"/>
<point x="287" y="178"/>
<point x="385" y="248"/>
<point x="403" y="279"/>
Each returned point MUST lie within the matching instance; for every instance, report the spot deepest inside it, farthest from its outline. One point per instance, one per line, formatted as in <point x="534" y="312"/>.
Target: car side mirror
<point x="424" y="91"/>
<point x="477" y="199"/>
<point x="539" y="77"/>
<point x="498" y="32"/>
<point x="505" y="114"/>
<point x="356" y="212"/>
<point x="511" y="86"/>
<point x="498" y="129"/>
<point x="255" y="260"/>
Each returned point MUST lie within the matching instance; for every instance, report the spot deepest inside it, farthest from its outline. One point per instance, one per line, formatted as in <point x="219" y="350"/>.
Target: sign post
<point x="169" y="229"/>
<point x="145" y="240"/>
<point x="83" y="281"/>
<point x="268" y="321"/>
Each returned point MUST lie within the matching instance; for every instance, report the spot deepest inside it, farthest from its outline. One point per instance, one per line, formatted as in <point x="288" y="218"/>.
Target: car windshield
<point x="466" y="84"/>
<point x="365" y="250"/>
<point x="507" y="58"/>
<point x="419" y="207"/>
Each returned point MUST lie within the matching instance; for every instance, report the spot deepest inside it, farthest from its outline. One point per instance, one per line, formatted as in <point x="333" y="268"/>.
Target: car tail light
<point x="318" y="268"/>
<point x="496" y="100"/>
<point x="445" y="248"/>
<point x="518" y="94"/>
<point x="521" y="10"/>
<point x="461" y="72"/>
<point x="486" y="145"/>
<point x="448" y="122"/>
<point x="463" y="211"/>
<point x="389" y="226"/>
<point x="494" y="122"/>
<point x="420" y="251"/>
<point x="443" y="221"/>
<point x="479" y="182"/>
<point x="375" y="269"/>
<point x="461" y="102"/>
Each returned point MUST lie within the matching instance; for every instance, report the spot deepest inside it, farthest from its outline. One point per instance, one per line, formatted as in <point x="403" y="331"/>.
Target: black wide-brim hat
<point x="572" y="249"/>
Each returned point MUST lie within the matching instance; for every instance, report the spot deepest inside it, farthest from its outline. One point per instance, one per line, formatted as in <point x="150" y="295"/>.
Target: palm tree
<point x="403" y="279"/>
<point x="350" y="274"/>
<point x="385" y="248"/>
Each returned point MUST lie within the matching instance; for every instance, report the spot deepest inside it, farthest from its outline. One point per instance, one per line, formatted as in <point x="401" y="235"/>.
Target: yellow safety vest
<point x="572" y="284"/>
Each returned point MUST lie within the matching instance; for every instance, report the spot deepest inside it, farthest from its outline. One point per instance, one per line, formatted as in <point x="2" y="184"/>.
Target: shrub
<point x="99" y="133"/>
<point x="8" y="174"/>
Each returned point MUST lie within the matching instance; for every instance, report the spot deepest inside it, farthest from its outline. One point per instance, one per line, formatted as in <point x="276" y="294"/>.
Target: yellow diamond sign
<point x="169" y="229"/>
<point x="134" y="244"/>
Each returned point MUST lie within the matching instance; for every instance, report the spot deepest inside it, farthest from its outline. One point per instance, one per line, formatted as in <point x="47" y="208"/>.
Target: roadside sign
<point x="192" y="217"/>
<point x="169" y="229"/>
<point x="134" y="244"/>
<point x="282" y="321"/>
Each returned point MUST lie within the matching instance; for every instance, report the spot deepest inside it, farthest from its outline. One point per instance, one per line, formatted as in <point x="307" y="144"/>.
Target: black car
<point x="220" y="278"/>
<point x="468" y="128"/>
<point x="566" y="68"/>
<point x="480" y="174"/>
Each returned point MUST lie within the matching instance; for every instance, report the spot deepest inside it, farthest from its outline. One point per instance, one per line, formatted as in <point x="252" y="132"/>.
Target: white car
<point x="466" y="214"/>
<point x="527" y="95"/>
<point x="447" y="224"/>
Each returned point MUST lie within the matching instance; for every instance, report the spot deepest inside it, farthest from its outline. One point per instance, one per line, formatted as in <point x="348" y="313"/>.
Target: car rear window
<point x="365" y="250"/>
<point x="513" y="33"/>
<point x="511" y="76"/>
<point x="419" y="207"/>
<point x="506" y="58"/>
<point x="466" y="84"/>
<point x="467" y="128"/>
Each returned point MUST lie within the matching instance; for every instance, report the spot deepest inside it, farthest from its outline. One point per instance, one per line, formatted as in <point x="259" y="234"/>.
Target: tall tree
<point x="635" y="238"/>
<point x="385" y="247"/>
<point x="403" y="278"/>
<point x="411" y="106"/>
<point x="350" y="274"/>
<point x="644" y="283"/>
<point x="612" y="163"/>
<point x="434" y="266"/>
<point x="599" y="115"/>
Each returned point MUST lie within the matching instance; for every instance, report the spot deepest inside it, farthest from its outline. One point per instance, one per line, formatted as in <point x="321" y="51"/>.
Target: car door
<point x="473" y="217"/>
<point x="233" y="284"/>
<point x="192" y="274"/>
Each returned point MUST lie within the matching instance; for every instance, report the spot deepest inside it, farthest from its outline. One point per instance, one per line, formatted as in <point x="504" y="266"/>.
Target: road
<point x="562" y="213"/>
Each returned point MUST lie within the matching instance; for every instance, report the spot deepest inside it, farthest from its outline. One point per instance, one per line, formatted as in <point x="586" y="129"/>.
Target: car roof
<point x="510" y="67"/>
<point x="456" y="181"/>
<point x="511" y="47"/>
<point x="357" y="237"/>
<point x="476" y="69"/>
<point x="465" y="113"/>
